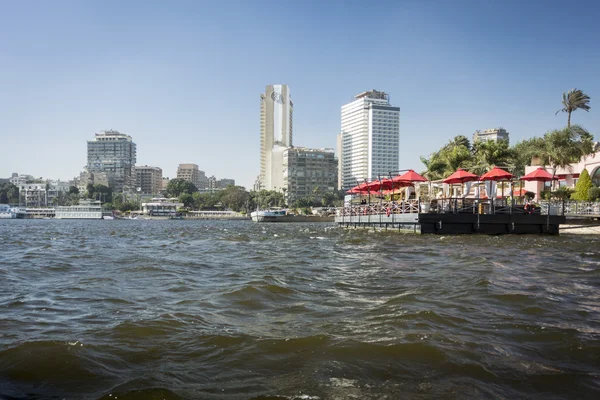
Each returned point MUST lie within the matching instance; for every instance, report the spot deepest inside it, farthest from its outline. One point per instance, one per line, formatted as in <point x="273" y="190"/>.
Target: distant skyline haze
<point x="184" y="78"/>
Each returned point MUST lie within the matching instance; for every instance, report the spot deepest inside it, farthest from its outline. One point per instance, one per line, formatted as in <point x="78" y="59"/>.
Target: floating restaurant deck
<point x="454" y="216"/>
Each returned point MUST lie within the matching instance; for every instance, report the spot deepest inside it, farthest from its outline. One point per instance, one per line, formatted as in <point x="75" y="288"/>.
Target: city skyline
<point x="184" y="83"/>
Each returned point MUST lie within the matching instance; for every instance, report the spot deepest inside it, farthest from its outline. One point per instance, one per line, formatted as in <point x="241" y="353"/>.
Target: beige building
<point x="165" y="183"/>
<point x="491" y="135"/>
<point x="305" y="170"/>
<point x="149" y="179"/>
<point x="191" y="173"/>
<point x="276" y="123"/>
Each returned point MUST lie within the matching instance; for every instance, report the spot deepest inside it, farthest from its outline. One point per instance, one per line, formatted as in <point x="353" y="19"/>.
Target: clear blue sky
<point x="183" y="78"/>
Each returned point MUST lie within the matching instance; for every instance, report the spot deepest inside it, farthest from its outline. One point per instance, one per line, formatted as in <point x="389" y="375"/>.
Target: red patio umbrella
<point x="379" y="184"/>
<point x="496" y="174"/>
<point x="539" y="174"/>
<point x="410" y="176"/>
<point x="460" y="176"/>
<point x="362" y="188"/>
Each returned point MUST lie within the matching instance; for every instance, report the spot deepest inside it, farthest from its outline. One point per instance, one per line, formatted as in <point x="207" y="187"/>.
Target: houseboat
<point x="86" y="209"/>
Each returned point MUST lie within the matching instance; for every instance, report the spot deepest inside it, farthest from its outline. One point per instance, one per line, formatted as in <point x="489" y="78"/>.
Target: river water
<point x="237" y="310"/>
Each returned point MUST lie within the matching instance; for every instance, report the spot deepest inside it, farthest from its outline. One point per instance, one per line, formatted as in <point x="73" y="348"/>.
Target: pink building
<point x="567" y="176"/>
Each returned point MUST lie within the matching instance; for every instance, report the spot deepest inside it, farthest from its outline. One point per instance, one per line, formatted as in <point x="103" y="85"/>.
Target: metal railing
<point x="475" y="206"/>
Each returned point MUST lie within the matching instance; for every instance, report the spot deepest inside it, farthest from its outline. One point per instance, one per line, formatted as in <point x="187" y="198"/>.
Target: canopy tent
<point x="495" y="175"/>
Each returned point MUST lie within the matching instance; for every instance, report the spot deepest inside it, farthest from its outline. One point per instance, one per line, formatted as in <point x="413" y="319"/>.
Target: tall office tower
<point x="190" y="173"/>
<point x="307" y="170"/>
<point x="149" y="179"/>
<point x="113" y="153"/>
<point x="369" y="140"/>
<point x="276" y="111"/>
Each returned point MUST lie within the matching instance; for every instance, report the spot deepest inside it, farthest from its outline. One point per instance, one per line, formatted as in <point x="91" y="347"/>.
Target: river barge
<point x="455" y="216"/>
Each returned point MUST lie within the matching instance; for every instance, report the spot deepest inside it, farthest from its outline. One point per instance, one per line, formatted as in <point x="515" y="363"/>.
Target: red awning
<point x="460" y="176"/>
<point x="539" y="174"/>
<point x="496" y="174"/>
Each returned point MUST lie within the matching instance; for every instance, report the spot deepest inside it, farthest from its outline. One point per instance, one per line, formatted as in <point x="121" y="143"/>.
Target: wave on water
<point x="230" y="310"/>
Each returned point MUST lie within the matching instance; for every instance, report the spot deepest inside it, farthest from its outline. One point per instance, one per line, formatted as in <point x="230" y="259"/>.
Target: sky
<point x="184" y="78"/>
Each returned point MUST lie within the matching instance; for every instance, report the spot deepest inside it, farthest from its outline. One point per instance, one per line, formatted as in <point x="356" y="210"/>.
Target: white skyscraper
<point x="370" y="137"/>
<point x="276" y="110"/>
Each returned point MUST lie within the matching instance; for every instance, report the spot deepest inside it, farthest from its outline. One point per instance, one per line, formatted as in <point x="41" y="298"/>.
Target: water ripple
<point x="235" y="310"/>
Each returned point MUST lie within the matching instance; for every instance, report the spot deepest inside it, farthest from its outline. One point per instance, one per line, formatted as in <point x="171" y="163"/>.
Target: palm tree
<point x="564" y="147"/>
<point x="572" y="100"/>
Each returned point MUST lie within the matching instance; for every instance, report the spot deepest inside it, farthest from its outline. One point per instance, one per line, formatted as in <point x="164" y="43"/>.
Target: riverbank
<point x="579" y="229"/>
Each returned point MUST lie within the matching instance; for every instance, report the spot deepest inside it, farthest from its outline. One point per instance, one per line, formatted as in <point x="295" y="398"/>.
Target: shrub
<point x="562" y="193"/>
<point x="594" y="193"/>
<point x="584" y="184"/>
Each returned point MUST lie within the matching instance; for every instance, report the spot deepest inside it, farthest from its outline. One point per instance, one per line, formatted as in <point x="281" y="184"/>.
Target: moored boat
<point x="270" y="215"/>
<point x="8" y="212"/>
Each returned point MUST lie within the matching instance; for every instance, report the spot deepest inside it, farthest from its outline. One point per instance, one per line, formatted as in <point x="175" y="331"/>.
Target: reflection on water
<point x="236" y="310"/>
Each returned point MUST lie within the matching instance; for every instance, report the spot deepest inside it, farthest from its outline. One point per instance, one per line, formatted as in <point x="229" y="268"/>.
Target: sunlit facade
<point x="276" y="123"/>
<point x="368" y="145"/>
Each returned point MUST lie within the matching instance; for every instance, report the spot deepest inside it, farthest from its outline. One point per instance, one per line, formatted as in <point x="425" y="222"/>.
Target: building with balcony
<point x="368" y="145"/>
<point x="191" y="173"/>
<point x="307" y="171"/>
<point x="491" y="135"/>
<point x="149" y="179"/>
<point x="113" y="153"/>
<point x="41" y="193"/>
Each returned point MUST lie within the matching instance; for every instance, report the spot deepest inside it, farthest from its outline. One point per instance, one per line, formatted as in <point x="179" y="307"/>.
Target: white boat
<point x="270" y="215"/>
<point x="86" y="209"/>
<point x="8" y="212"/>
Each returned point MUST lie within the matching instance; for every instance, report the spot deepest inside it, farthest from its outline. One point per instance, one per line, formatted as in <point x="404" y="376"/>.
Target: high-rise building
<point x="224" y="182"/>
<point x="149" y="179"/>
<point x="370" y="138"/>
<point x="114" y="153"/>
<point x="276" y="122"/>
<point x="190" y="173"/>
<point x="491" y="135"/>
<point x="306" y="170"/>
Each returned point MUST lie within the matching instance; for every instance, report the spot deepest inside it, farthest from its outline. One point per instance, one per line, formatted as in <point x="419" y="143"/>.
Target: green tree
<point x="177" y="187"/>
<point x="523" y="152"/>
<point x="487" y="154"/>
<point x="234" y="197"/>
<point x="455" y="154"/>
<point x="205" y="201"/>
<point x="563" y="147"/>
<point x="100" y="192"/>
<point x="329" y="199"/>
<point x="73" y="190"/>
<point x="584" y="184"/>
<point x="9" y="193"/>
<point x="187" y="199"/>
<point x="302" y="202"/>
<point x="573" y="100"/>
